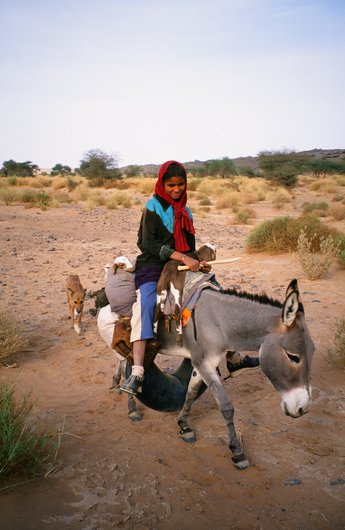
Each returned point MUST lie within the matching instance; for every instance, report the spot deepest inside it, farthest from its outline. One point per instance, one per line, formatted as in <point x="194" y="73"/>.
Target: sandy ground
<point x="113" y="473"/>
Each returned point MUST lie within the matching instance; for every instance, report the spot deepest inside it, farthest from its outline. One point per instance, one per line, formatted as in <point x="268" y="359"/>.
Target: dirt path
<point x="112" y="473"/>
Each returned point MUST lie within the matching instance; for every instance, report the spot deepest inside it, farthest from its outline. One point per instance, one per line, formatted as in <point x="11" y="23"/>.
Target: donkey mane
<point x="259" y="298"/>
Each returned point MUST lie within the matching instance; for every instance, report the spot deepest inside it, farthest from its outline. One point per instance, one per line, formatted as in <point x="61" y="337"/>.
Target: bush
<point x="316" y="207"/>
<point x="281" y="234"/>
<point x="8" y="196"/>
<point x="12" y="340"/>
<point x="244" y="216"/>
<point x="205" y="201"/>
<point x="337" y="211"/>
<point x="336" y="353"/>
<point x="193" y="184"/>
<point x="21" y="449"/>
<point x="315" y="264"/>
<point x="71" y="183"/>
<point x="12" y="181"/>
<point x="36" y="198"/>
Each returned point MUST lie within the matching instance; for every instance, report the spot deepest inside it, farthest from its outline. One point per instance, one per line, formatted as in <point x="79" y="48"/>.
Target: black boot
<point x="238" y="363"/>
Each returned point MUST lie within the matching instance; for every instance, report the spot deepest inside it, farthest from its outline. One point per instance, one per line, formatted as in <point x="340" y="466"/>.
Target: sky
<point x="155" y="80"/>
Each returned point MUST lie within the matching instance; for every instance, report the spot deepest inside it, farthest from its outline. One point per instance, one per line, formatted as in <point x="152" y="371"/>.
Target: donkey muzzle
<point x="296" y="402"/>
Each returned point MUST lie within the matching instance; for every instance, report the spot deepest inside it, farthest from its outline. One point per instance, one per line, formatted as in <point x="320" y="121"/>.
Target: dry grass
<point x="119" y="199"/>
<point x="280" y="197"/>
<point x="22" y="449"/>
<point x="12" y="340"/>
<point x="244" y="216"/>
<point x="316" y="264"/>
<point x="337" y="211"/>
<point x="230" y="199"/>
<point x="326" y="185"/>
<point x="336" y="352"/>
<point x="281" y="234"/>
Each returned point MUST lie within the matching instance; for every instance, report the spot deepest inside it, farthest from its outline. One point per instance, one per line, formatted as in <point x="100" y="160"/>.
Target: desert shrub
<point x="111" y="203"/>
<point x="228" y="200"/>
<point x="26" y="181"/>
<point x="327" y="185"/>
<point x="94" y="200"/>
<point x="8" y="196"/>
<point x="22" y="449"/>
<point x="257" y="189"/>
<point x="316" y="207"/>
<point x="281" y="234"/>
<point x="207" y="187"/>
<point x="340" y="241"/>
<point x="205" y="209"/>
<point x="244" y="216"/>
<point x="12" y="340"/>
<point x="315" y="264"/>
<point x="280" y="197"/>
<point x="40" y="199"/>
<point x="40" y="182"/>
<point x="121" y="184"/>
<point x="146" y="185"/>
<point x="59" y="183"/>
<point x="193" y="184"/>
<point x="12" y="181"/>
<point x="119" y="199"/>
<point x="124" y="200"/>
<point x="82" y="192"/>
<point x="43" y="200"/>
<point x="205" y="201"/>
<point x="72" y="184"/>
<point x="340" y="179"/>
<point x="336" y="352"/>
<point x="337" y="211"/>
<point x="61" y="197"/>
<point x="337" y="197"/>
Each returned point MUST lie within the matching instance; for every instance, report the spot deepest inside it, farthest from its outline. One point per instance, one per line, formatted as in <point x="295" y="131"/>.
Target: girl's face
<point x="175" y="187"/>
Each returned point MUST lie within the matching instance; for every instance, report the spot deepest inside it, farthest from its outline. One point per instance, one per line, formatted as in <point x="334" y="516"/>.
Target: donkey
<point x="231" y="320"/>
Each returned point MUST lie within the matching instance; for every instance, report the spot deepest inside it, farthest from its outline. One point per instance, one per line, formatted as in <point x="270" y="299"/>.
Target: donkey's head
<point x="286" y="354"/>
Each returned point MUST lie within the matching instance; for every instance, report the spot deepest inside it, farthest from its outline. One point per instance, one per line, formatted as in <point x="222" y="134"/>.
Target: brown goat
<point x="170" y="288"/>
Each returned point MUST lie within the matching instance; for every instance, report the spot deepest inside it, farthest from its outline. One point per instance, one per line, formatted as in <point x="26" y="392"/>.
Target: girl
<point x="166" y="232"/>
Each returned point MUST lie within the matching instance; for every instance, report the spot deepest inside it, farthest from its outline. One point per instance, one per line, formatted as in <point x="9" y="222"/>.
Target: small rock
<point x="292" y="482"/>
<point x="337" y="481"/>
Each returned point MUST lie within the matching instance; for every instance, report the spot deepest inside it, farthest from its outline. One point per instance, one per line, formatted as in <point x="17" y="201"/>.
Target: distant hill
<point x="249" y="161"/>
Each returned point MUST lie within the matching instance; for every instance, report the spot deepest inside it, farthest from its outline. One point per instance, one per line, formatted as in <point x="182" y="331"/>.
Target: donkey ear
<point x="293" y="286"/>
<point x="290" y="309"/>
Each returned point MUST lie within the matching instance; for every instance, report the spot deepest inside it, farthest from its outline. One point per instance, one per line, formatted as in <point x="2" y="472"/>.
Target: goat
<point x="170" y="289"/>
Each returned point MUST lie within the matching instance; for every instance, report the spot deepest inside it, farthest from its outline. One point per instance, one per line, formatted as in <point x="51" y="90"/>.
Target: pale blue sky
<point x="179" y="79"/>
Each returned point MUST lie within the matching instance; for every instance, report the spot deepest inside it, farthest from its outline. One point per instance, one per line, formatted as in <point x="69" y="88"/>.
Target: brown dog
<point x="75" y="297"/>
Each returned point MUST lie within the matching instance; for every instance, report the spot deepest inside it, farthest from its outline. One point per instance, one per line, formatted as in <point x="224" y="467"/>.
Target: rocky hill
<point x="251" y="162"/>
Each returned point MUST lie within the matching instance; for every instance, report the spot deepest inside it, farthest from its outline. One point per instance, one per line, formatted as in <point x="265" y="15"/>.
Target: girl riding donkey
<point x="166" y="233"/>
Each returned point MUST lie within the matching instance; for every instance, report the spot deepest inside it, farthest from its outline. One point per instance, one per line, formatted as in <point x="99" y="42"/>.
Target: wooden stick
<point x="214" y="262"/>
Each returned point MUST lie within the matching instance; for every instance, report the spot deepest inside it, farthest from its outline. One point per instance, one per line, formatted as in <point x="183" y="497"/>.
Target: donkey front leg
<point x="188" y="435"/>
<point x="227" y="409"/>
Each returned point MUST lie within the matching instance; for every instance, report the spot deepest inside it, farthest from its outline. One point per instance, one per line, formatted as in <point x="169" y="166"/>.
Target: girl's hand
<point x="205" y="267"/>
<point x="193" y="264"/>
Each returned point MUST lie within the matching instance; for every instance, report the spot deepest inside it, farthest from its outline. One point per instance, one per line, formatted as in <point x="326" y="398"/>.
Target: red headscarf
<point x="182" y="220"/>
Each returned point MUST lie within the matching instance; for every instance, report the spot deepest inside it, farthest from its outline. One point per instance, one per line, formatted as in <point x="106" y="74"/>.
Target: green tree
<point x="223" y="167"/>
<point x="19" y="169"/>
<point x="322" y="167"/>
<point x="282" y="166"/>
<point x="97" y="166"/>
<point x="59" y="169"/>
<point x="133" y="170"/>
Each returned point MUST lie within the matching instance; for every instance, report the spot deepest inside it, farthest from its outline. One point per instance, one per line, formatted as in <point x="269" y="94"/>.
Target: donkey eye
<point x="294" y="357"/>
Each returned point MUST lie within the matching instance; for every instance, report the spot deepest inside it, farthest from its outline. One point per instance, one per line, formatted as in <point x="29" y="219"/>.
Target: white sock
<point x="138" y="371"/>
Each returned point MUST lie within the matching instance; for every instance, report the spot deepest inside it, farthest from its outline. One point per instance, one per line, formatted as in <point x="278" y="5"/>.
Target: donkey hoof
<point x="188" y="435"/>
<point x="135" y="415"/>
<point x="240" y="461"/>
